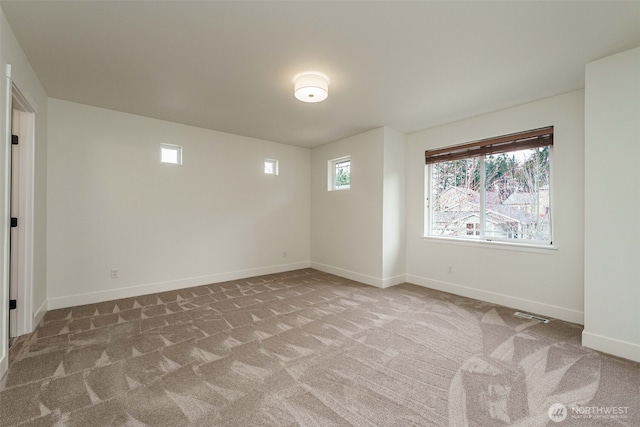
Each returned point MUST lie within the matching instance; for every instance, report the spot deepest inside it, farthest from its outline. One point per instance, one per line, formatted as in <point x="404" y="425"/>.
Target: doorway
<point x="22" y="213"/>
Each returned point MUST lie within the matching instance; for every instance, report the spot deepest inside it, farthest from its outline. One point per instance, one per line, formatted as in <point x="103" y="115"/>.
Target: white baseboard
<point x="613" y="346"/>
<point x="359" y="277"/>
<point x="392" y="281"/>
<point x="133" y="291"/>
<point x="39" y="314"/>
<point x="569" y="315"/>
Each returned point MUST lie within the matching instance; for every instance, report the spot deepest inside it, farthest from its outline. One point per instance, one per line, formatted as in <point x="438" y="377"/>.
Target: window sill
<point x="494" y="244"/>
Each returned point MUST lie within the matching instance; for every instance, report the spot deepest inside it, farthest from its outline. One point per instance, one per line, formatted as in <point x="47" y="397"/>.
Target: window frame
<point x="172" y="147"/>
<point x="276" y="166"/>
<point x="482" y="239"/>
<point x="332" y="174"/>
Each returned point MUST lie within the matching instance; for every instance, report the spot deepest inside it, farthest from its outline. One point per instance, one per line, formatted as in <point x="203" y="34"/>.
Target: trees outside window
<point x="503" y="196"/>
<point x="339" y="173"/>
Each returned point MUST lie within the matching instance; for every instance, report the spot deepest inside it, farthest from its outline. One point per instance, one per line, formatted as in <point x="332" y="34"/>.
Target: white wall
<point x="393" y="212"/>
<point x="612" y="205"/>
<point x="359" y="233"/>
<point x="112" y="204"/>
<point x="346" y="225"/>
<point x="544" y="282"/>
<point x="26" y="80"/>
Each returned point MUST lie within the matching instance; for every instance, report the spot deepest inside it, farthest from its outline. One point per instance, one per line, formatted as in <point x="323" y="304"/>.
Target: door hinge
<point x="14" y="139"/>
<point x="14" y="222"/>
<point x="13" y="304"/>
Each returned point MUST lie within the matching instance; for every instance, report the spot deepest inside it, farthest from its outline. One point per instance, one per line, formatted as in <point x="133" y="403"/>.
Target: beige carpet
<point x="312" y="349"/>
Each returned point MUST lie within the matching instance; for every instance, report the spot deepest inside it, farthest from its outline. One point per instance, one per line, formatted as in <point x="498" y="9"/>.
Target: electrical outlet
<point x="450" y="269"/>
<point x="284" y="254"/>
<point x="115" y="274"/>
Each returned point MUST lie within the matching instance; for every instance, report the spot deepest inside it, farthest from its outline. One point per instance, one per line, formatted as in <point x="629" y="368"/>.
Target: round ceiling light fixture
<point x="311" y="87"/>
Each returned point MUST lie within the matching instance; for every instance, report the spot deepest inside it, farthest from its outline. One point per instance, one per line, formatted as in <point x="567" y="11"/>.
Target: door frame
<point x="26" y="132"/>
<point x="5" y="180"/>
<point x="25" y="318"/>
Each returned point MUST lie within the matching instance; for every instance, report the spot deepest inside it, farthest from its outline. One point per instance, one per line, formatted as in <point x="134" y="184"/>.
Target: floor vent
<point x="531" y="317"/>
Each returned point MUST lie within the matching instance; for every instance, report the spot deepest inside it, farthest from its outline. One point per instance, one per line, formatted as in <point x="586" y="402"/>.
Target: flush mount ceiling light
<point x="311" y="87"/>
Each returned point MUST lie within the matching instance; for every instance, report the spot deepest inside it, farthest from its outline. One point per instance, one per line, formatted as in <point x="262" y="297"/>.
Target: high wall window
<point x="339" y="174"/>
<point x="171" y="154"/>
<point x="495" y="189"/>
<point x="271" y="166"/>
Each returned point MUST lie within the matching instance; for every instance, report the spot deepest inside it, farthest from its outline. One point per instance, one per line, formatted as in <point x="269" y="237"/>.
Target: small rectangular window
<point x="271" y="167"/>
<point x="339" y="174"/>
<point x="171" y="154"/>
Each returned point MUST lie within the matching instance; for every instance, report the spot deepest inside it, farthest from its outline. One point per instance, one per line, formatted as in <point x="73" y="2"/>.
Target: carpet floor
<point x="311" y="349"/>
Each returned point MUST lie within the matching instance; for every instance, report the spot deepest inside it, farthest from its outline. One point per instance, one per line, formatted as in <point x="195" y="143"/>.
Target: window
<point x="271" y="166"/>
<point x="473" y="229"/>
<point x="339" y="174"/>
<point x="171" y="154"/>
<point x="495" y="189"/>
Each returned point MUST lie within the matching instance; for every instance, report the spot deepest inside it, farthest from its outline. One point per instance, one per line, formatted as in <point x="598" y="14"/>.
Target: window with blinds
<point x="493" y="189"/>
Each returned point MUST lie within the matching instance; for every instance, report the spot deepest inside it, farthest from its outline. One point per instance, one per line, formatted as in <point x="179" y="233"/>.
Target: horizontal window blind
<point x="502" y="144"/>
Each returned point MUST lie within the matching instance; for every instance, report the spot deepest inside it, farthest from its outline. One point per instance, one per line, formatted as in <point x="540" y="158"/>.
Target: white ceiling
<point x="229" y="66"/>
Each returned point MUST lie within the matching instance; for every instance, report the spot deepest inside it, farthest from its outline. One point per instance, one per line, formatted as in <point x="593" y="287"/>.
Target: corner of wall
<point x="611" y="253"/>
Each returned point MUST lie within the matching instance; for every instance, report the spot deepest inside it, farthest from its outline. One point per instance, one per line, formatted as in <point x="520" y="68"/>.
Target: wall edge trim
<point x="561" y="313"/>
<point x="616" y="347"/>
<point x="352" y="275"/>
<point x="148" y="288"/>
